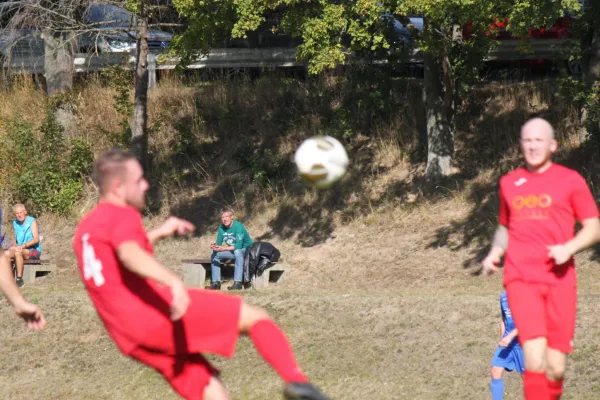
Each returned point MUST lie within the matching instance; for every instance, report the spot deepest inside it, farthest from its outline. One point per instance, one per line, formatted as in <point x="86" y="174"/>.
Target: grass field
<point x="383" y="300"/>
<point x="375" y="312"/>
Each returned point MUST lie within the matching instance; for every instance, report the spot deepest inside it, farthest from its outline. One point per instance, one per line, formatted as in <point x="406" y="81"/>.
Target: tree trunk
<point x="590" y="126"/>
<point x="139" y="127"/>
<point x="592" y="70"/>
<point x="59" y="51"/>
<point x="440" y="139"/>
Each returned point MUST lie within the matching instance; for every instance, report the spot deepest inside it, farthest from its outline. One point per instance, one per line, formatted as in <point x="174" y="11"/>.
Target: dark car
<point x="113" y="32"/>
<point x="117" y="31"/>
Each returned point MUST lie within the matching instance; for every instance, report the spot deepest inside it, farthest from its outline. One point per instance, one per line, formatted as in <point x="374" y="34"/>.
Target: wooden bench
<point x="194" y="272"/>
<point x="34" y="268"/>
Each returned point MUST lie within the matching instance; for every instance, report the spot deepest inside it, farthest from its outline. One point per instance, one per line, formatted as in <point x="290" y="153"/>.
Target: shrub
<point x="44" y="169"/>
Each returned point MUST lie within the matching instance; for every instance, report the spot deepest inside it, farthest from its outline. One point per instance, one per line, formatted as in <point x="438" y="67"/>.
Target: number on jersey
<point x="92" y="267"/>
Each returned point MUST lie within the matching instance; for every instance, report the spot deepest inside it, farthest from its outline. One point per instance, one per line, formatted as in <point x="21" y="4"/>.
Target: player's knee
<point x="249" y="315"/>
<point x="535" y="363"/>
<point x="215" y="390"/>
<point x="555" y="371"/>
<point x="496" y="372"/>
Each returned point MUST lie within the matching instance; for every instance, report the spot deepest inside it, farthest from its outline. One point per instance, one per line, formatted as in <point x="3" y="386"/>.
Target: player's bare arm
<point x="499" y="245"/>
<point x="170" y="227"/>
<point x="505" y="341"/>
<point x="138" y="261"/>
<point x="586" y="237"/>
<point x="29" y="312"/>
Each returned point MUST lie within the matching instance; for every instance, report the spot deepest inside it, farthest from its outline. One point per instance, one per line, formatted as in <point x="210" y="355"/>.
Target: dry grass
<point x="381" y="301"/>
<point x="22" y="99"/>
<point x="406" y="323"/>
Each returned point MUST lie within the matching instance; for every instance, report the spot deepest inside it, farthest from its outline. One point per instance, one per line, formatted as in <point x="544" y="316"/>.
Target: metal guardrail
<point x="253" y="58"/>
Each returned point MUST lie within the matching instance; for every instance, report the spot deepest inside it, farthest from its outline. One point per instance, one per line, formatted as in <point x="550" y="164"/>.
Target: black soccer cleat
<point x="302" y="391"/>
<point x="20" y="282"/>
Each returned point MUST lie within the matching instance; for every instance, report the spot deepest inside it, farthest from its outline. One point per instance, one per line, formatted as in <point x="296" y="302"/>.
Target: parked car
<point x="114" y="32"/>
<point x="117" y="31"/>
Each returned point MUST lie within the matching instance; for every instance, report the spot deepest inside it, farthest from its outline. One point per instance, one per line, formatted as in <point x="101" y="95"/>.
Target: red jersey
<point x="540" y="210"/>
<point x="130" y="306"/>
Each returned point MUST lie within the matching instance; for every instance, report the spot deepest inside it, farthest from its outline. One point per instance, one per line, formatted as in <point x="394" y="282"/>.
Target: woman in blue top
<point x="27" y="240"/>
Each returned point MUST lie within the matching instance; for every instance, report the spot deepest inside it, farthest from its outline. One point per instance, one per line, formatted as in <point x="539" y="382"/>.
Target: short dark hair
<point x="226" y="210"/>
<point x="110" y="164"/>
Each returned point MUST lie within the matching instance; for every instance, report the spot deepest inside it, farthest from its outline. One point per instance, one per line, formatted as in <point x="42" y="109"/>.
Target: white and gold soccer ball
<point x="321" y="161"/>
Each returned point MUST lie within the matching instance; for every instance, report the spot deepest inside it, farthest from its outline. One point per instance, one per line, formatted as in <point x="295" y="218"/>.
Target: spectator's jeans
<point x="217" y="257"/>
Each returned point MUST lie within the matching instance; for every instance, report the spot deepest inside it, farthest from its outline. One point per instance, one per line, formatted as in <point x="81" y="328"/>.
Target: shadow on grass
<point x="476" y="230"/>
<point x="237" y="148"/>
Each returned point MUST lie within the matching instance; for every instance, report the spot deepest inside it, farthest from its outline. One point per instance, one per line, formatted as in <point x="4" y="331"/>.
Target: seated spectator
<point x="27" y="240"/>
<point x="232" y="242"/>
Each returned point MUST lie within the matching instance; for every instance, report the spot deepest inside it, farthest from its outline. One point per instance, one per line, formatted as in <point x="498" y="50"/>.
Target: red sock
<point x="535" y="386"/>
<point x="273" y="346"/>
<point x="555" y="388"/>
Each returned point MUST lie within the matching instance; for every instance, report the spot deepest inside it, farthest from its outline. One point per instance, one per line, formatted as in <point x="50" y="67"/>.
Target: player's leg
<point x="270" y="342"/>
<point x="562" y="308"/>
<point x="503" y="360"/>
<point x="497" y="383"/>
<point x="527" y="303"/>
<point x="557" y="363"/>
<point x="273" y="346"/>
<point x="229" y="317"/>
<point x="190" y="375"/>
<point x="215" y="390"/>
<point x="535" y="354"/>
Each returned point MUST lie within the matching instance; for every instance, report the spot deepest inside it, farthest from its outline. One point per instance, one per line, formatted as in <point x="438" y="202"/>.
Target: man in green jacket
<point x="232" y="242"/>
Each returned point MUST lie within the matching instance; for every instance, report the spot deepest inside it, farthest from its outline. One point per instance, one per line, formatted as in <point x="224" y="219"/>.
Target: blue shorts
<point x="510" y="358"/>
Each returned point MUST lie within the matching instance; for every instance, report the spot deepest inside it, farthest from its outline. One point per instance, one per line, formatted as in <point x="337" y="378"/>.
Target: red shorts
<point x="542" y="310"/>
<point x="210" y="325"/>
<point x="33" y="254"/>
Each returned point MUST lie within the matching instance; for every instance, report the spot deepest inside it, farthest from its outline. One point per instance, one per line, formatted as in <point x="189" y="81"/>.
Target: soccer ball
<point x="321" y="161"/>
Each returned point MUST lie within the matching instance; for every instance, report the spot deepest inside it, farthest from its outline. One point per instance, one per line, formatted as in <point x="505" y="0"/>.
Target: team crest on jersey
<point x="520" y="181"/>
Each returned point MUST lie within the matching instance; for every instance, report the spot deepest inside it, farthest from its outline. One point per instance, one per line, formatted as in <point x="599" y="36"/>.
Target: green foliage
<point x="210" y="22"/>
<point x="592" y="106"/>
<point x="578" y="89"/>
<point x="263" y="165"/>
<point x="121" y="80"/>
<point x="45" y="169"/>
<point x="333" y="30"/>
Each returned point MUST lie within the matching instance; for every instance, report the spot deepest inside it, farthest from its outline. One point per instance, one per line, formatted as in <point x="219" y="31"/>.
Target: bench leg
<point x="262" y="280"/>
<point x="194" y="275"/>
<point x="29" y="273"/>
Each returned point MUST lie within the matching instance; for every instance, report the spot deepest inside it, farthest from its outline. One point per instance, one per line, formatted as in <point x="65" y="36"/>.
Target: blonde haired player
<point x="145" y="307"/>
